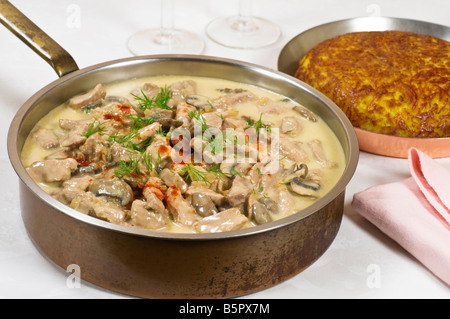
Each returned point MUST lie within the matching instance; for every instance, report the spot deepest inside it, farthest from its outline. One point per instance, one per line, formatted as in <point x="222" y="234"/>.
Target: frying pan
<point x="381" y="144"/>
<point x="152" y="264"/>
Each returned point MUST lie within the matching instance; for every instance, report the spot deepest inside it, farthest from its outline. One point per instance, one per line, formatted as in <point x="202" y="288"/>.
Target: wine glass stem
<point x="167" y="22"/>
<point x="245" y="21"/>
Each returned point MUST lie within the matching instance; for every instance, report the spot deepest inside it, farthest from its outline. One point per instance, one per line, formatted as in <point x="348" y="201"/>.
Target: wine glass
<point x="165" y="39"/>
<point x="243" y="31"/>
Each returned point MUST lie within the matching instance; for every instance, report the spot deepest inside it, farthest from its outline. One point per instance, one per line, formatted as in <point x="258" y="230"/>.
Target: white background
<point x="97" y="31"/>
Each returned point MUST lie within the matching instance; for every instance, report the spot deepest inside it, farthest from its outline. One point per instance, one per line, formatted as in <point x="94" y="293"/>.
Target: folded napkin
<point x="414" y="212"/>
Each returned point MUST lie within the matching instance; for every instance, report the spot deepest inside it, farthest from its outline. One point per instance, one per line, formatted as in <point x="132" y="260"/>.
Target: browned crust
<point x="390" y="82"/>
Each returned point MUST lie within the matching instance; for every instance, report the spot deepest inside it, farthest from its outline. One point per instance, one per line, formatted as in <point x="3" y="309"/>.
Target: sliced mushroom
<point x="271" y="205"/>
<point x="203" y="204"/>
<point x="221" y="184"/>
<point x="290" y="125"/>
<point x="233" y="168"/>
<point x="171" y="178"/>
<point x="199" y="101"/>
<point x="167" y="123"/>
<point x="114" y="188"/>
<point x="90" y="99"/>
<point x="305" y="113"/>
<point x="296" y="170"/>
<point x="304" y="187"/>
<point x="259" y="213"/>
<point x="90" y="169"/>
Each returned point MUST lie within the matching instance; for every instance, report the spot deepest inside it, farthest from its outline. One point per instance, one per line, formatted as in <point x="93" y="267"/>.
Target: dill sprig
<point x="258" y="125"/>
<point x="193" y="174"/>
<point x="160" y="101"/>
<point x="199" y="120"/>
<point x="138" y="122"/>
<point x="132" y="166"/>
<point x="125" y="168"/>
<point x="95" y="127"/>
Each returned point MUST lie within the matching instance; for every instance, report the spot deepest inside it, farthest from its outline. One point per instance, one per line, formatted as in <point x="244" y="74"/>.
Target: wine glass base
<point x="253" y="34"/>
<point x="152" y="41"/>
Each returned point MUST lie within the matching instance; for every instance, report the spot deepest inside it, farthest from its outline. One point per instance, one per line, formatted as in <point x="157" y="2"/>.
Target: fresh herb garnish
<point x="193" y="174"/>
<point x="132" y="166"/>
<point x="95" y="127"/>
<point x="258" y="125"/>
<point x="160" y="101"/>
<point x="199" y="120"/>
<point x="138" y="122"/>
<point x="125" y="168"/>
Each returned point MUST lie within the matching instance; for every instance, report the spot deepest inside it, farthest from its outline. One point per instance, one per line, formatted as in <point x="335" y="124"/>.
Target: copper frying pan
<point x="153" y="264"/>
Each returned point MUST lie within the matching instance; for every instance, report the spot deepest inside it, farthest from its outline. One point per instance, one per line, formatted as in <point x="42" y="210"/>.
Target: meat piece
<point x="218" y="199"/>
<point x="149" y="89"/>
<point x="159" y="114"/>
<point x="227" y="220"/>
<point x="72" y="188"/>
<point x="239" y="191"/>
<point x="46" y="138"/>
<point x="255" y="173"/>
<point x="146" y="133"/>
<point x="292" y="150"/>
<point x="79" y="182"/>
<point x="143" y="215"/>
<point x="153" y="192"/>
<point x="120" y="153"/>
<point x="212" y="120"/>
<point x="84" y="202"/>
<point x="227" y="101"/>
<point x="270" y="176"/>
<point x="155" y="186"/>
<point x="160" y="150"/>
<point x="182" y="113"/>
<point x="285" y="201"/>
<point x="61" y="153"/>
<point x="96" y="148"/>
<point x="270" y="107"/>
<point x="156" y="204"/>
<point x="171" y="178"/>
<point x="233" y="123"/>
<point x="92" y="96"/>
<point x="52" y="170"/>
<point x="116" y="114"/>
<point x="319" y="153"/>
<point x="290" y="125"/>
<point x="74" y="137"/>
<point x="180" y="90"/>
<point x="179" y="208"/>
<point x="110" y="213"/>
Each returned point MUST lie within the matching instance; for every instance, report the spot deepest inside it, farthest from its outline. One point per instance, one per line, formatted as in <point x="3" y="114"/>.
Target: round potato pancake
<point x="390" y="82"/>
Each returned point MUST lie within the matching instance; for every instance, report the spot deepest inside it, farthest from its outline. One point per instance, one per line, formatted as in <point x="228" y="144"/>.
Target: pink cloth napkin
<point x="414" y="212"/>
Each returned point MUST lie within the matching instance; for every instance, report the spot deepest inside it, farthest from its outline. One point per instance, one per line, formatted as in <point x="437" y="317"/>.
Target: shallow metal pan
<point x="153" y="264"/>
<point x="380" y="144"/>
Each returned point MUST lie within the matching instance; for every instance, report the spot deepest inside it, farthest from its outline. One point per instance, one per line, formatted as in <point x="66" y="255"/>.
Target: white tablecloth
<point x="361" y="263"/>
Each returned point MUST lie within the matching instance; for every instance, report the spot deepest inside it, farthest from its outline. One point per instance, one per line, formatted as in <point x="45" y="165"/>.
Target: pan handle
<point x="60" y="60"/>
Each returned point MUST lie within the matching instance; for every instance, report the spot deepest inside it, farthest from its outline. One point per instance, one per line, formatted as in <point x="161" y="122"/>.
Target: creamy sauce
<point x="325" y="174"/>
